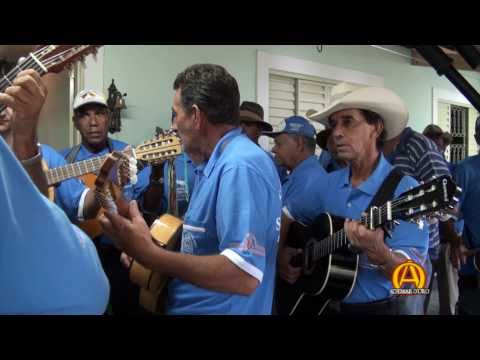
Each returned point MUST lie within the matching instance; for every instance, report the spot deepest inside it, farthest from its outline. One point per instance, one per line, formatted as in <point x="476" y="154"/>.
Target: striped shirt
<point x="418" y="156"/>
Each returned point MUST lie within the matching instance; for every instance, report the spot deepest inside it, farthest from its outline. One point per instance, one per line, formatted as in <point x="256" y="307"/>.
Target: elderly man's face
<point x="93" y="121"/>
<point x="286" y="150"/>
<point x="252" y="130"/>
<point x="185" y="126"/>
<point x="352" y="135"/>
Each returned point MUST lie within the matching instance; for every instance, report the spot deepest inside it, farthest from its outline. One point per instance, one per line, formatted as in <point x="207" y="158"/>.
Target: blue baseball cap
<point x="295" y="125"/>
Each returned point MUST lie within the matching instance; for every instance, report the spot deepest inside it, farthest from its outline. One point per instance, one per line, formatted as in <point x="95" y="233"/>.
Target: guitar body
<point x="166" y="233"/>
<point x="330" y="278"/>
<point x="91" y="227"/>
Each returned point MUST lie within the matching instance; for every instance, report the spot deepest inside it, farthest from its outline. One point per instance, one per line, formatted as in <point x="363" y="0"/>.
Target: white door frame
<point x="267" y="62"/>
<point x="449" y="96"/>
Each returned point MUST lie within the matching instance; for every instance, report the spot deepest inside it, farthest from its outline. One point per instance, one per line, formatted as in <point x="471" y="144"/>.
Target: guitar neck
<point x="31" y="62"/>
<point x="374" y="218"/>
<point x="80" y="168"/>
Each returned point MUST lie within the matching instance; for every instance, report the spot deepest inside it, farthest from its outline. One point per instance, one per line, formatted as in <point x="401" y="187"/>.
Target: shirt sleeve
<point x="247" y="215"/>
<point x="48" y="266"/>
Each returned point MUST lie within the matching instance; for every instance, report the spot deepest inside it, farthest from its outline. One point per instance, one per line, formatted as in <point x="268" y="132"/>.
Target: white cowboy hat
<point x="379" y="100"/>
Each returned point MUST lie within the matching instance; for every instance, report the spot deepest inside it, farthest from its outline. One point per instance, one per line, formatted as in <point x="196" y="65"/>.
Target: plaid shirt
<point x="418" y="156"/>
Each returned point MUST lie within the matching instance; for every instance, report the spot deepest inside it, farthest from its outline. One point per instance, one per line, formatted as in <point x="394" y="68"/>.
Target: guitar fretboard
<point x="29" y="63"/>
<point x="57" y="175"/>
<point x="339" y="239"/>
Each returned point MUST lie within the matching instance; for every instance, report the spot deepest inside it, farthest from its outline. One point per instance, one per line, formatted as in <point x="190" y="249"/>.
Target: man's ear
<point x="199" y="118"/>
<point x="379" y="128"/>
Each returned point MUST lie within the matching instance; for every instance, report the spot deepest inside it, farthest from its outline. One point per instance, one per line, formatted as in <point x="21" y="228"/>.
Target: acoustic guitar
<point x="49" y="58"/>
<point x="166" y="233"/>
<point x="165" y="147"/>
<point x="166" y="230"/>
<point x="330" y="266"/>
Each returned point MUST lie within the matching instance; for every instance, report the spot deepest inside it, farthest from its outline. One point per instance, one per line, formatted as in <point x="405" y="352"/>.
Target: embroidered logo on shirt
<point x="249" y="245"/>
<point x="188" y="243"/>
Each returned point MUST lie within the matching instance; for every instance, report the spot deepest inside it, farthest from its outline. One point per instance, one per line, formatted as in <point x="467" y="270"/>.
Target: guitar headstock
<point x="166" y="146"/>
<point x="426" y="199"/>
<point x="56" y="58"/>
<point x="113" y="176"/>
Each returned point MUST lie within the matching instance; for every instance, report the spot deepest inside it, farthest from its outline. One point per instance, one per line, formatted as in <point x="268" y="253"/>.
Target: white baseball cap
<point x="89" y="97"/>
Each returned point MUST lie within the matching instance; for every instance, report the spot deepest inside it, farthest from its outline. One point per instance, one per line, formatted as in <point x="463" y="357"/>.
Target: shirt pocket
<point x="194" y="237"/>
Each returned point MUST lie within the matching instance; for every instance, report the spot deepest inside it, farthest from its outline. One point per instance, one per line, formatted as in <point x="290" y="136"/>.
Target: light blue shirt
<point x="234" y="211"/>
<point x="302" y="189"/>
<point x="68" y="192"/>
<point x="349" y="202"/>
<point x="47" y="265"/>
<point x="130" y="192"/>
<point x="467" y="176"/>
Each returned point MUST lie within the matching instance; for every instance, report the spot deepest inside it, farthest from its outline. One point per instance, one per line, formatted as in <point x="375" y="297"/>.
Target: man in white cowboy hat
<point x="295" y="149"/>
<point x="361" y="118"/>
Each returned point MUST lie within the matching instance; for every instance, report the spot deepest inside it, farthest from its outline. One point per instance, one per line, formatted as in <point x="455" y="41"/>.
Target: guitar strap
<point x="387" y="189"/>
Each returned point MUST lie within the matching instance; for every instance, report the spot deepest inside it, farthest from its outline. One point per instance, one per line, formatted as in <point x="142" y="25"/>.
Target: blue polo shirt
<point x="349" y="202"/>
<point x="467" y="176"/>
<point x="185" y="181"/>
<point x="68" y="192"/>
<point x="47" y="265"/>
<point x="234" y="211"/>
<point x="130" y="192"/>
<point x="302" y="189"/>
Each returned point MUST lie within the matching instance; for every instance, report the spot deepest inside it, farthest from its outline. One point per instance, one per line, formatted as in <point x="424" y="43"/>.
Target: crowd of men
<point x="237" y="201"/>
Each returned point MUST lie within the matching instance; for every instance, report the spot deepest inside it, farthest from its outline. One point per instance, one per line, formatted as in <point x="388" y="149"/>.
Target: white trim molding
<point x="448" y="96"/>
<point x="267" y="62"/>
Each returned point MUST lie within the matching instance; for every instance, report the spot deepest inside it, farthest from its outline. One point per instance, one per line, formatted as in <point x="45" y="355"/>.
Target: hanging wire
<point x="319" y="48"/>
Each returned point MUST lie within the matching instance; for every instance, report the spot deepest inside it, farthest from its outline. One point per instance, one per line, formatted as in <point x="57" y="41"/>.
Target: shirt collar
<point x="304" y="165"/>
<point x="372" y="184"/>
<point x="218" y="150"/>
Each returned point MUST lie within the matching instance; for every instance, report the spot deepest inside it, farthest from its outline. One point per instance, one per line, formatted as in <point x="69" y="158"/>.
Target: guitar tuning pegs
<point x="455" y="199"/>
<point x="451" y="207"/>
<point x="459" y="189"/>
